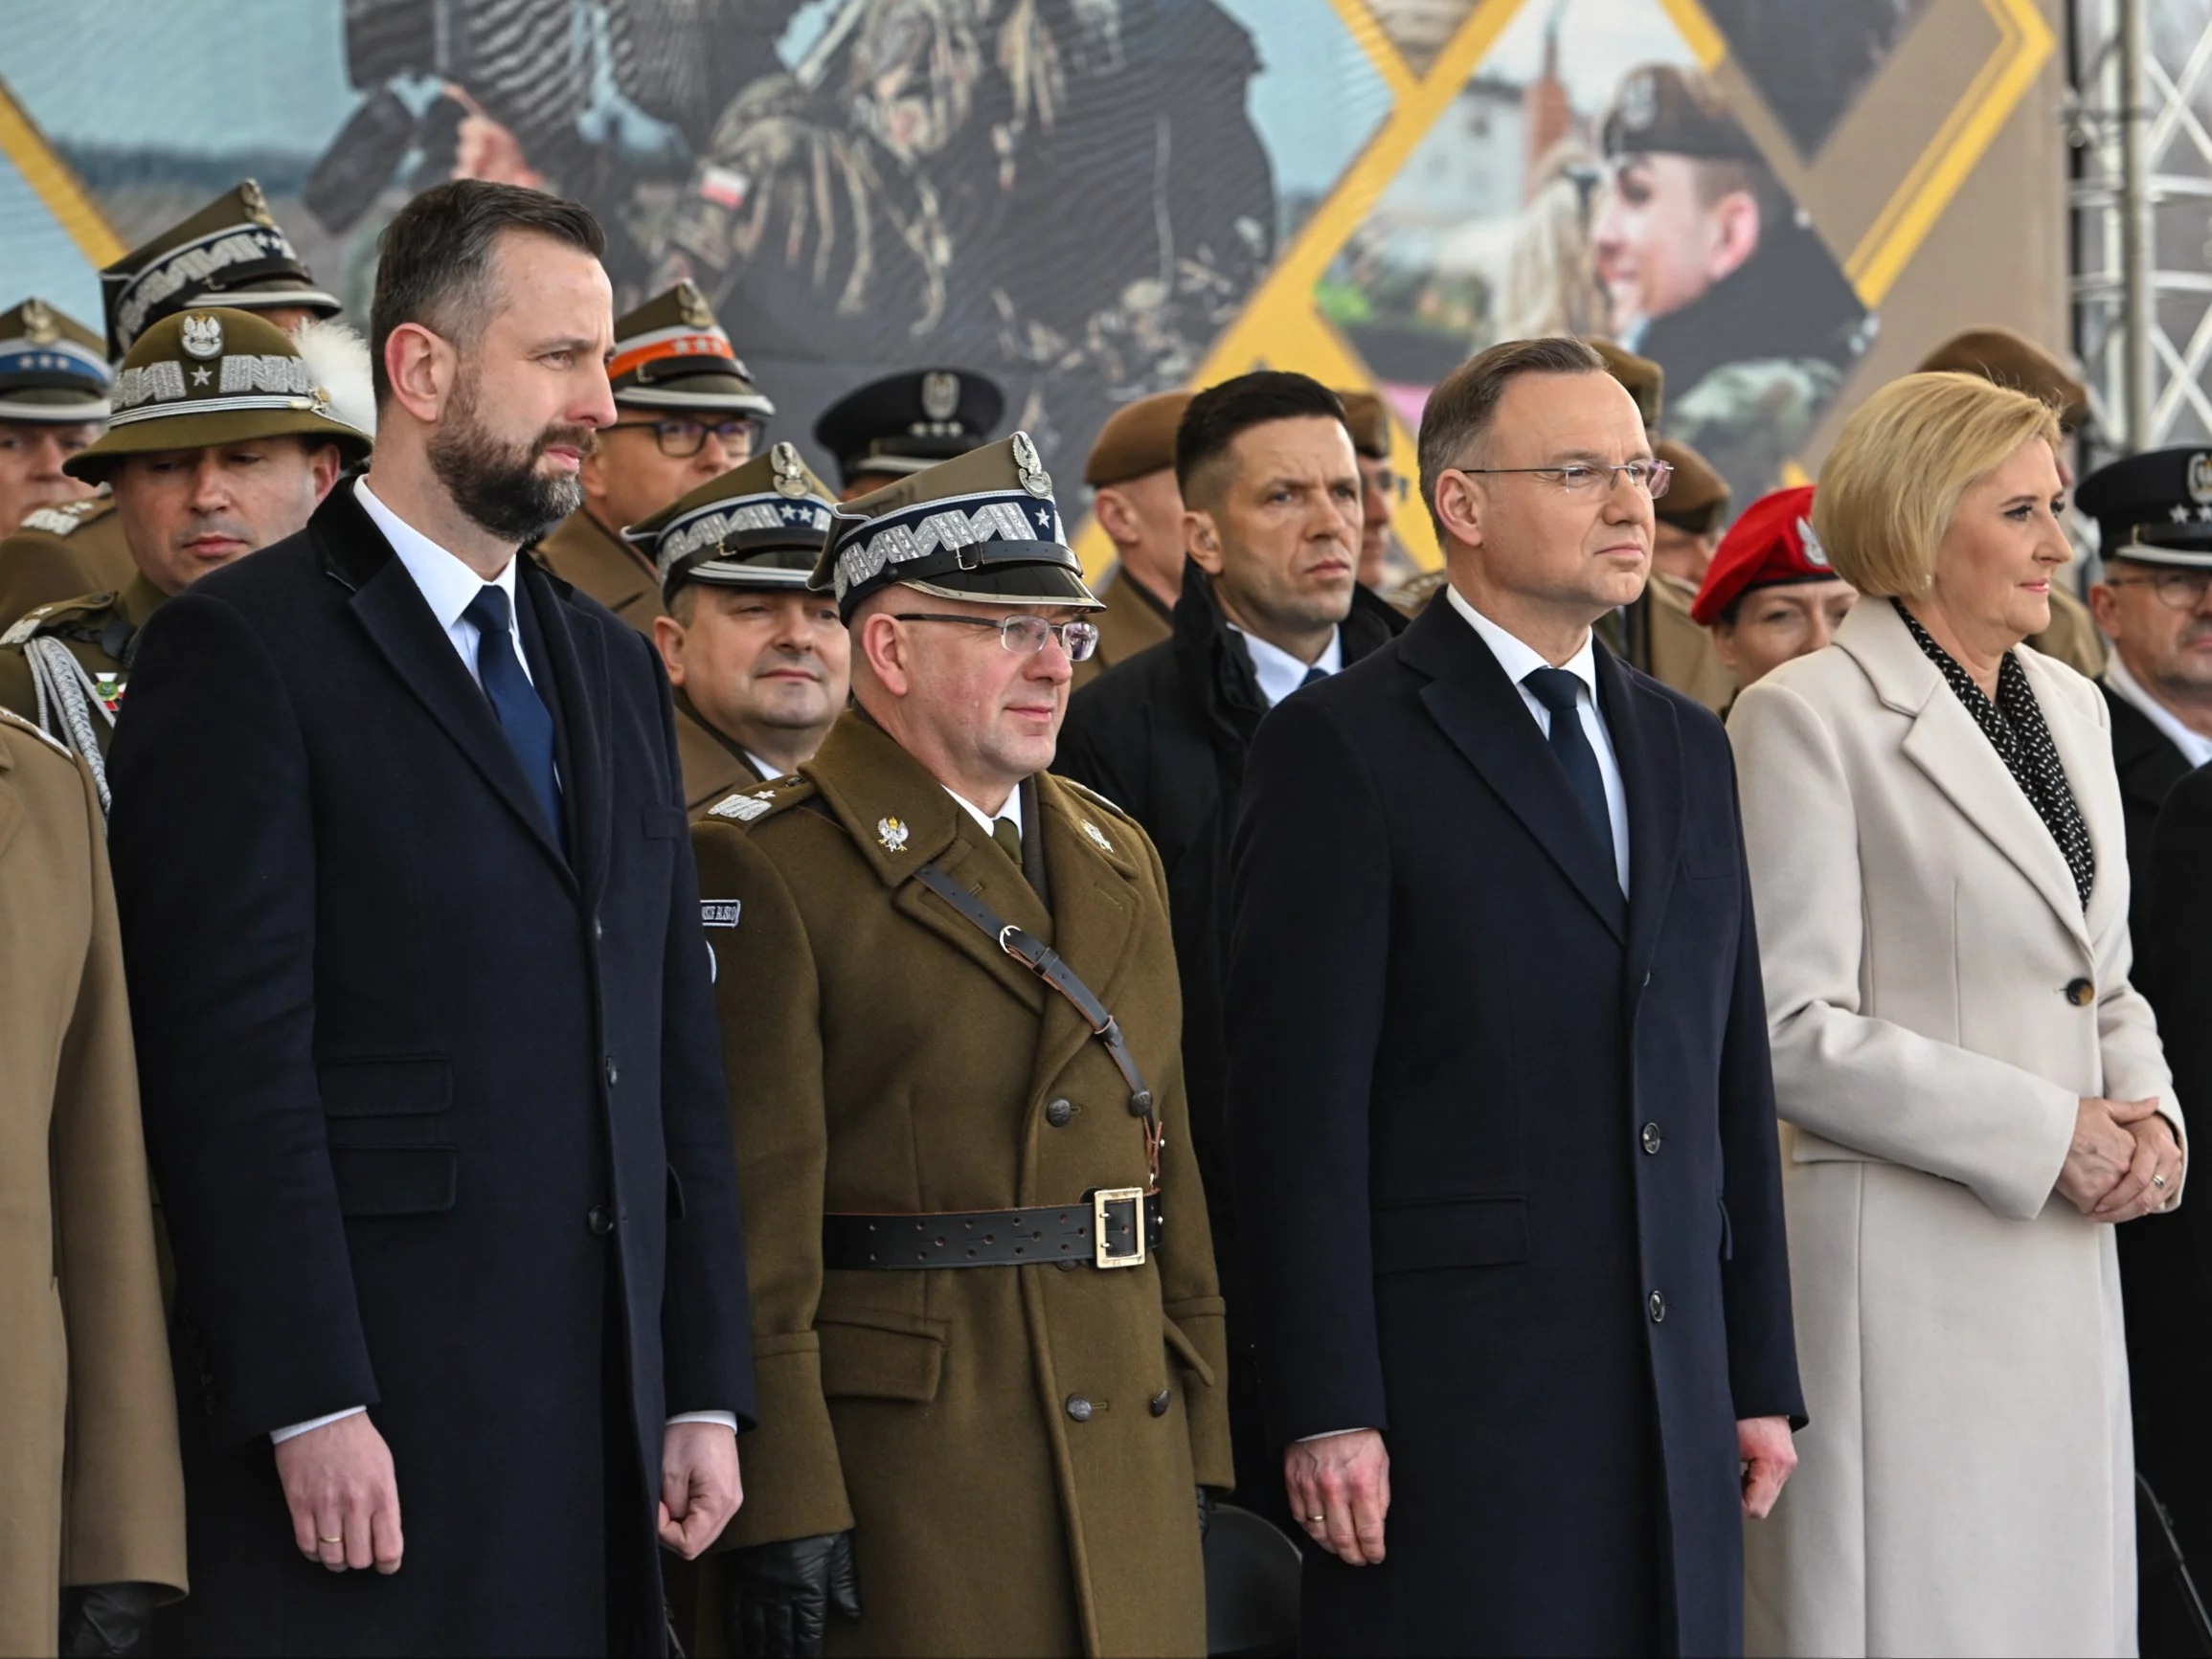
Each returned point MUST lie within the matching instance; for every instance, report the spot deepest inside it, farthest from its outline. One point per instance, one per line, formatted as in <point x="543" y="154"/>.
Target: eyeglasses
<point x="1579" y="477"/>
<point x="681" y="439"/>
<point x="1022" y="635"/>
<point x="2178" y="589"/>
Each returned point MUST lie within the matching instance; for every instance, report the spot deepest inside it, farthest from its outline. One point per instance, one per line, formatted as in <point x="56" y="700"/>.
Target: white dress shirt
<point x="1012" y="812"/>
<point x="1279" y="673"/>
<point x="450" y="587"/>
<point x="1519" y="661"/>
<point x="2195" y="748"/>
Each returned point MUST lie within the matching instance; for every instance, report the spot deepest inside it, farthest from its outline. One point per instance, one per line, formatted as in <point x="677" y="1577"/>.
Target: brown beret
<point x="1697" y="498"/>
<point x="1367" y="418"/>
<point x="2014" y="360"/>
<point x="1646" y="381"/>
<point x="1138" y="439"/>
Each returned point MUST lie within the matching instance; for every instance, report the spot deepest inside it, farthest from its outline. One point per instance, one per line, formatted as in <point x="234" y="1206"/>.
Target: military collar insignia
<point x="1097" y="837"/>
<point x="743" y="808"/>
<point x="892" y="833"/>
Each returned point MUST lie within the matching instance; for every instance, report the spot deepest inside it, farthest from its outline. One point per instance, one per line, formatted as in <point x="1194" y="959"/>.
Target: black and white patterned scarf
<point x="2014" y="728"/>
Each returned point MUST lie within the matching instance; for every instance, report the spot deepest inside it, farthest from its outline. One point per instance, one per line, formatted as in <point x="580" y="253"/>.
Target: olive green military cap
<point x="980" y="527"/>
<point x="231" y="253"/>
<point x="756" y="525"/>
<point x="1138" y="439"/>
<point x="1664" y="110"/>
<point x="1697" y="498"/>
<point x="52" y="367"/>
<point x="1646" y="381"/>
<point x="671" y="353"/>
<point x="2013" y="360"/>
<point x="1367" y="418"/>
<point x="201" y="378"/>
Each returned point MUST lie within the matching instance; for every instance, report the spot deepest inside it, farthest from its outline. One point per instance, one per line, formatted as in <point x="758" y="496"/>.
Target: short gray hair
<point x="1460" y="410"/>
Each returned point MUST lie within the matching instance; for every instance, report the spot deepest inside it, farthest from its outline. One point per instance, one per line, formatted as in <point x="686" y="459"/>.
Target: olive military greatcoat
<point x="585" y="554"/>
<point x="90" y="1490"/>
<point x="60" y="551"/>
<point x="1015" y="1446"/>
<point x="712" y="765"/>
<point x="98" y="629"/>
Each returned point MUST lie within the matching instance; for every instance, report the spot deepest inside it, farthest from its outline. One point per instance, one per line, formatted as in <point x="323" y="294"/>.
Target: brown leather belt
<point x="1100" y="1229"/>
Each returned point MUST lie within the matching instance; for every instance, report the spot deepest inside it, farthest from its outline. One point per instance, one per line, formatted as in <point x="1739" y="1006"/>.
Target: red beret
<point x="1770" y="544"/>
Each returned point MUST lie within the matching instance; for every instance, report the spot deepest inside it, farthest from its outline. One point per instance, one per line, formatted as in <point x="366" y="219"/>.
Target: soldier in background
<point x="686" y="411"/>
<point x="53" y="402"/>
<point x="903" y="423"/>
<point x="1770" y="592"/>
<point x="1384" y="562"/>
<point x="2012" y="359"/>
<point x="1689" y="519"/>
<point x="1136" y="501"/>
<point x="759" y="664"/>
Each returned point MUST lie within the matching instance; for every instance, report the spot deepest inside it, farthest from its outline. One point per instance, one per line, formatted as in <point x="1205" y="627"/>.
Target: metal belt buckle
<point x="1103" y="1201"/>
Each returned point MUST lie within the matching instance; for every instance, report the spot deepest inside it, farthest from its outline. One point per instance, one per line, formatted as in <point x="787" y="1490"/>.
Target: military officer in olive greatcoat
<point x="223" y="441"/>
<point x="53" y="401"/>
<point x="686" y="411"/>
<point x="758" y="660"/>
<point x="987" y="1332"/>
<point x="1136" y="501"/>
<point x="881" y="432"/>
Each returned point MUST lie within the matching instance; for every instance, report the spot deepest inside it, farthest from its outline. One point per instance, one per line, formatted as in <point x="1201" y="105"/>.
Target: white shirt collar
<point x="1012" y="812"/>
<point x="2196" y="748"/>
<point x="448" y="585"/>
<point x="1519" y="660"/>
<point x="1279" y="673"/>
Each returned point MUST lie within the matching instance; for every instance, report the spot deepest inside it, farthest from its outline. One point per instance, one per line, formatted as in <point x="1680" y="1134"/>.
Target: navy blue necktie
<point x="1312" y="675"/>
<point x="1558" y="690"/>
<point x="522" y="712"/>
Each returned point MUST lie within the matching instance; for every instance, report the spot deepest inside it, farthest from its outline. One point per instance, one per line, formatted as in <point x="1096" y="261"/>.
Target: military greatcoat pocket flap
<point x="399" y="1087"/>
<point x="1484" y="1232"/>
<point x="877" y="1354"/>
<point x="1186" y="1350"/>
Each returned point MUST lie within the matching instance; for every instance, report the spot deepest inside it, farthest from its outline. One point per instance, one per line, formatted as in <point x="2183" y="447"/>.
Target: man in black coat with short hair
<point x="432" y="1081"/>
<point x="1499" y="1101"/>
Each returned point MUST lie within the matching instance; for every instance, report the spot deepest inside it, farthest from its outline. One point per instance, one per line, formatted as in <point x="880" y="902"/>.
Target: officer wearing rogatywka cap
<point x="1136" y="501"/>
<point x="759" y="661"/>
<point x="223" y="441"/>
<point x="906" y="422"/>
<point x="687" y="411"/>
<point x="231" y="253"/>
<point x="1770" y="592"/>
<point x="979" y="1255"/>
<point x="53" y="401"/>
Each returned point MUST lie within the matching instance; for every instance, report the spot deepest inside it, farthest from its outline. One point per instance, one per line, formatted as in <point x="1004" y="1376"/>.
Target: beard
<point x="496" y="484"/>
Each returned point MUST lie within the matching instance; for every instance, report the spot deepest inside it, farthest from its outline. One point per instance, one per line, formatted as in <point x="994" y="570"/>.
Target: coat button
<point x="614" y="1073"/>
<point x="2081" y="993"/>
<point x="1659" y="1308"/>
<point x="1653" y="1140"/>
<point x="1079" y="1408"/>
<point x="1160" y="1401"/>
<point x="1058" y="1113"/>
<point x="598" y="928"/>
<point x="600" y="1220"/>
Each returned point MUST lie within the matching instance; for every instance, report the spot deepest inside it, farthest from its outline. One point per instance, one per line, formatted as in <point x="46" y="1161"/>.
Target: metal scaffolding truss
<point x="2139" y="124"/>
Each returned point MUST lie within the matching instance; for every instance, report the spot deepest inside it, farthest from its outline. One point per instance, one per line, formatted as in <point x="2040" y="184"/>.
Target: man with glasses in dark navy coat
<point x="1499" y="1102"/>
<point x="432" y="1083"/>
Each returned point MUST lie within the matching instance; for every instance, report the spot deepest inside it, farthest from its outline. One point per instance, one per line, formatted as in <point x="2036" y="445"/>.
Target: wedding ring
<point x="321" y="1540"/>
<point x="1316" y="1520"/>
<point x="2158" y="1180"/>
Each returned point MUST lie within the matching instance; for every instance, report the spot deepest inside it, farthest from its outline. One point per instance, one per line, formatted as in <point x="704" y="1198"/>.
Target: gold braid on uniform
<point x="65" y="688"/>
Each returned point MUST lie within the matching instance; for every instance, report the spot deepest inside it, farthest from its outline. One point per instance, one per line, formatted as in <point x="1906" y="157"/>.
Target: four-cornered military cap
<point x="2154" y="509"/>
<point x="1772" y="545"/>
<point x="230" y="253"/>
<point x="51" y="366"/>
<point x="984" y="527"/>
<point x="201" y="378"/>
<point x="1697" y="498"/>
<point x="2012" y="360"/>
<point x="905" y="422"/>
<point x="1138" y="439"/>
<point x="1664" y="110"/>
<point x="756" y="525"/>
<point x="1646" y="381"/>
<point x="670" y="353"/>
<point x="1367" y="418"/>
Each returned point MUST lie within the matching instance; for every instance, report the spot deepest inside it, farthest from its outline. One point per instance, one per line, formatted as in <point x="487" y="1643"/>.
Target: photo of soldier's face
<point x="1667" y="229"/>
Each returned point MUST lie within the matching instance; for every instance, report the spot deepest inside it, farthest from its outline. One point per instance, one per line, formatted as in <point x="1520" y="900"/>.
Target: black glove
<point x="780" y="1595"/>
<point x="106" y="1621"/>
<point x="1204" y="1513"/>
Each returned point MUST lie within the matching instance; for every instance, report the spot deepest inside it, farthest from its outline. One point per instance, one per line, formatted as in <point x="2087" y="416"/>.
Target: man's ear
<point x="1202" y="540"/>
<point x="668" y="640"/>
<point x="1112" y="509"/>
<point x="421" y="368"/>
<point x="1736" y="229"/>
<point x="1461" y="504"/>
<point x="885" y="646"/>
<point x="324" y="466"/>
<point x="2105" y="607"/>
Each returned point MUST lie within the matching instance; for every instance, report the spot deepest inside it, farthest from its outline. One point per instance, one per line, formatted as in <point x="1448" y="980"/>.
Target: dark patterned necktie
<point x="1559" y="691"/>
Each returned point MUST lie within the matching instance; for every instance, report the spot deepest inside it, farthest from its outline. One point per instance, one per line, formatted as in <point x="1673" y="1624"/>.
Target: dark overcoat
<point x="435" y="1107"/>
<point x="1508" y="1145"/>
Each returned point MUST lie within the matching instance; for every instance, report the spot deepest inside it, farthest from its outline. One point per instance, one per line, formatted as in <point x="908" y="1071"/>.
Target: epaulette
<point x="45" y="616"/>
<point x="750" y="805"/>
<point x="1087" y="793"/>
<point x="65" y="517"/>
<point x="15" y="721"/>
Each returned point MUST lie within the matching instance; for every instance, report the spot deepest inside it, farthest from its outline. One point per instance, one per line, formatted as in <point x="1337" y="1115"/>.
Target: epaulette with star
<point x="747" y="806"/>
<point x="47" y="618"/>
<point x="66" y="518"/>
<point x="15" y="721"/>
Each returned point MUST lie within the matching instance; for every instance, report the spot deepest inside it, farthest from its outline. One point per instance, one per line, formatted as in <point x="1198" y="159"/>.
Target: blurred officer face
<point x="769" y="670"/>
<point x="30" y="476"/>
<point x="1378" y="489"/>
<point x="1669" y="228"/>
<point x="1994" y="563"/>
<point x="980" y="716"/>
<point x="2159" y="621"/>
<point x="649" y="459"/>
<point x="1680" y="553"/>
<point x="866" y="484"/>
<point x="1526" y="545"/>
<point x="187" y="511"/>
<point x="1277" y="527"/>
<point x="1142" y="517"/>
<point x="1772" y="625"/>
<point x="291" y="319"/>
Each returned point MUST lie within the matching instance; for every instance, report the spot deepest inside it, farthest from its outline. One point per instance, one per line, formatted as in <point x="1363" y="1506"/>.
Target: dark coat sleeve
<point x="2174" y="959"/>
<point x="213" y="849"/>
<point x="1298" y="1088"/>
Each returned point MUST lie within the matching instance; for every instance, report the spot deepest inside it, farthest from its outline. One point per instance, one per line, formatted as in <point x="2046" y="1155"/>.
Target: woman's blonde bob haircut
<point x="1889" y="487"/>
